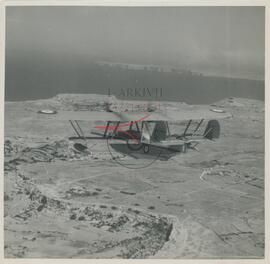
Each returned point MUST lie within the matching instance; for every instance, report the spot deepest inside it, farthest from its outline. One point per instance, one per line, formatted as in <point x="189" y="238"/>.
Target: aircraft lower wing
<point x="166" y="143"/>
<point x="188" y="113"/>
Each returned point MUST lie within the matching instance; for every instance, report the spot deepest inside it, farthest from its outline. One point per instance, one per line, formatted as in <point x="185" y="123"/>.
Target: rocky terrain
<point x="61" y="202"/>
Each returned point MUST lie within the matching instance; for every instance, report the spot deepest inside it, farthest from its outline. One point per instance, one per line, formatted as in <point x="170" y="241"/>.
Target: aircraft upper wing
<point x="187" y="113"/>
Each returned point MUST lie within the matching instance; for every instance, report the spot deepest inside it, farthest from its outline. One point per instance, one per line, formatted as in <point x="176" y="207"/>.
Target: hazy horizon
<point x="225" y="41"/>
<point x="51" y="48"/>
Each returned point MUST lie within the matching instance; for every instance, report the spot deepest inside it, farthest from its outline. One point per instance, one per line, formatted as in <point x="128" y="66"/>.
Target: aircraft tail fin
<point x="212" y="130"/>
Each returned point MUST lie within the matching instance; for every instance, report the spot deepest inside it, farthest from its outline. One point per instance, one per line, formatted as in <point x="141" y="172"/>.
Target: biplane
<point x="146" y="130"/>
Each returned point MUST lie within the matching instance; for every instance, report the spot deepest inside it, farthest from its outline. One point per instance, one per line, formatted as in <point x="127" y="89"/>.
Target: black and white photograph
<point x="134" y="132"/>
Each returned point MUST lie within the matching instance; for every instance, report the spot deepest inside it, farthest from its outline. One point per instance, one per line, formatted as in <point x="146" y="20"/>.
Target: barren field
<point x="63" y="203"/>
